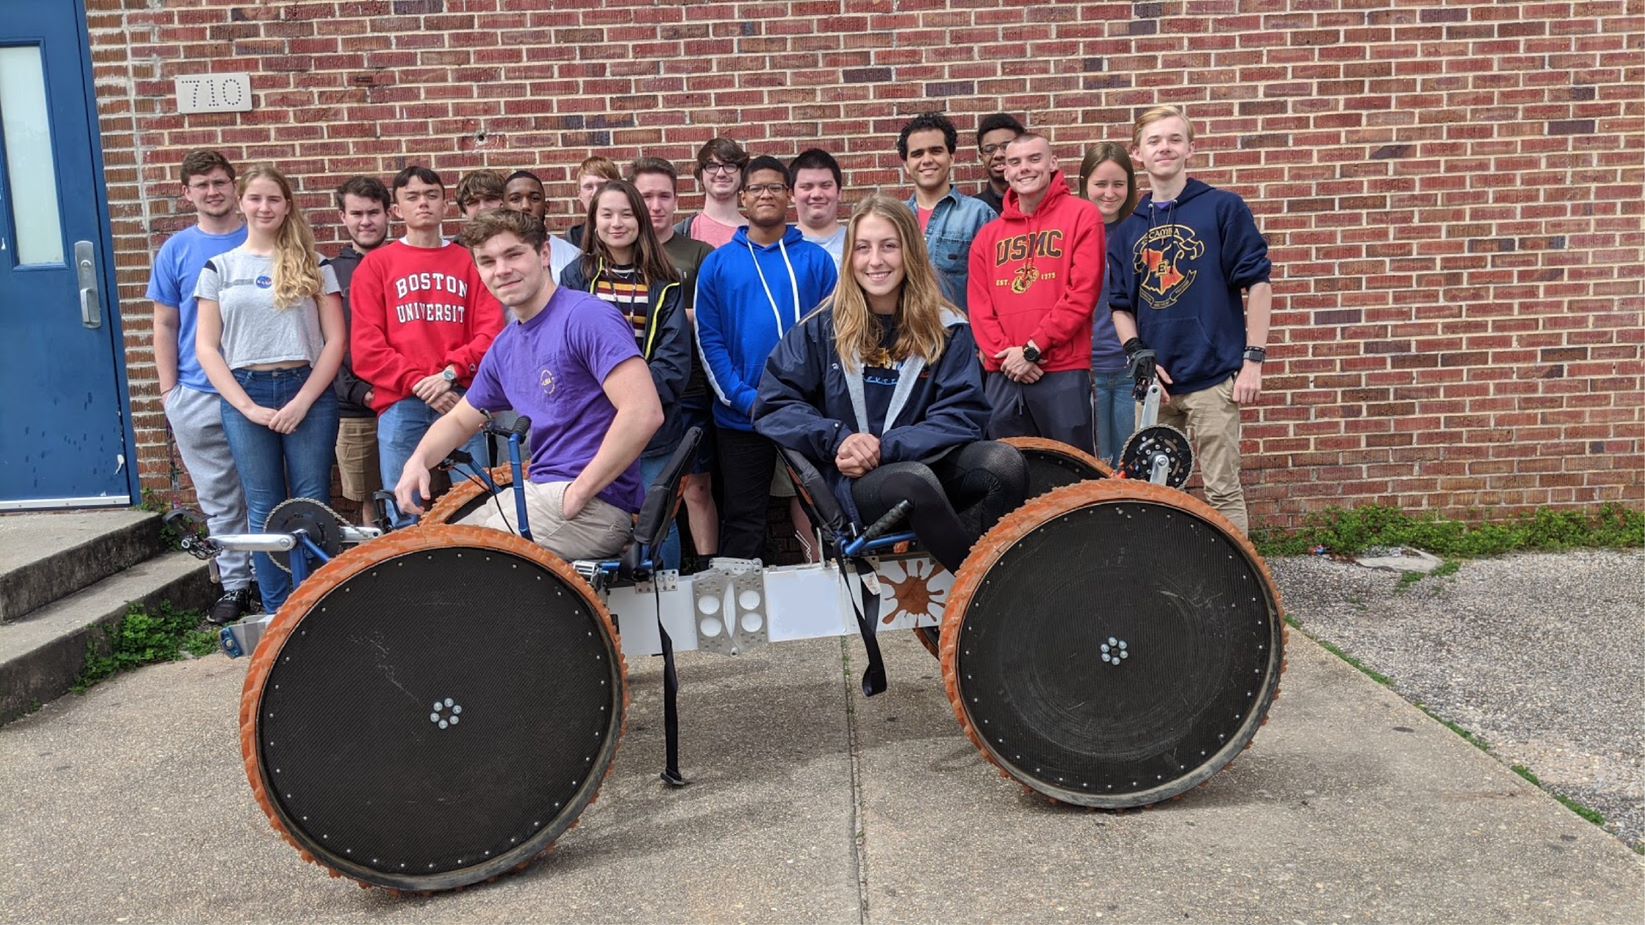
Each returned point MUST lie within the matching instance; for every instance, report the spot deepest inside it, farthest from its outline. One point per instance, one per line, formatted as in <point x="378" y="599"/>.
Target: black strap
<point x="671" y="701"/>
<point x="868" y="619"/>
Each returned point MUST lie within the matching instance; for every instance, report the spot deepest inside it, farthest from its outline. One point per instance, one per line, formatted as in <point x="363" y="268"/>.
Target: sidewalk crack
<point x="858" y="837"/>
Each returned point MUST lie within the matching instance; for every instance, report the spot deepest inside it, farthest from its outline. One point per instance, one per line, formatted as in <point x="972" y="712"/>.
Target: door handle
<point x="91" y="300"/>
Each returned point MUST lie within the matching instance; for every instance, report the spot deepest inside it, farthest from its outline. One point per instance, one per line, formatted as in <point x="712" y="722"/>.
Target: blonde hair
<point x="1156" y="114"/>
<point x="601" y="167"/>
<point x="920" y="328"/>
<point x="296" y="268"/>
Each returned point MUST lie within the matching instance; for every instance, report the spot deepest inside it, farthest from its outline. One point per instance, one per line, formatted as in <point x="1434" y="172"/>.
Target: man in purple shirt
<point x="571" y="365"/>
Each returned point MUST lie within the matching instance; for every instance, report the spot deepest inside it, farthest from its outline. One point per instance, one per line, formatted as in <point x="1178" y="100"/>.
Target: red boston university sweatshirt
<point x="417" y="310"/>
<point x="1037" y="277"/>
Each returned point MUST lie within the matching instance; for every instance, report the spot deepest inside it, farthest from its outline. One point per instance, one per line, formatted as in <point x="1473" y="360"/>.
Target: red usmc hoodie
<point x="417" y="310"/>
<point x="1037" y="277"/>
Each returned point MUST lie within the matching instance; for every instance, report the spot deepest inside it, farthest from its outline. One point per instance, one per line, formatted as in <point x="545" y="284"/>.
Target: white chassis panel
<point x="737" y="604"/>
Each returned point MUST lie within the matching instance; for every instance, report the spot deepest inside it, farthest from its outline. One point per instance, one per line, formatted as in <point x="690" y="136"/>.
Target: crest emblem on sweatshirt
<point x="1024" y="278"/>
<point x="1160" y="262"/>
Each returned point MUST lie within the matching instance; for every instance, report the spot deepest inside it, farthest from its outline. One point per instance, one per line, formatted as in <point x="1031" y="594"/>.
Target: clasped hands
<point x="859" y="455"/>
<point x="436" y="392"/>
<point x="1018" y="368"/>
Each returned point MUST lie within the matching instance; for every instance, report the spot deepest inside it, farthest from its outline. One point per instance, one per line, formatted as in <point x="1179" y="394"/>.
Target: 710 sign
<point x="214" y="93"/>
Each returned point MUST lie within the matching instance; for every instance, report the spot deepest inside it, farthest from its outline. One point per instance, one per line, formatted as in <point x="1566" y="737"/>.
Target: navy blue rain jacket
<point x="806" y="404"/>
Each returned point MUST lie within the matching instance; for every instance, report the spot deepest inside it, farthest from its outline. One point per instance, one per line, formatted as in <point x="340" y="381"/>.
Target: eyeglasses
<point x="720" y="168"/>
<point x="760" y="189"/>
<point x="991" y="150"/>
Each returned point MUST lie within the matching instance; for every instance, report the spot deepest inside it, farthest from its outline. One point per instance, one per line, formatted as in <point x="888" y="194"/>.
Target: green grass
<point x="144" y="638"/>
<point x="1371" y="673"/>
<point x="1350" y="532"/>
<point x="1586" y="812"/>
<point x="1407" y="579"/>
<point x="1469" y="737"/>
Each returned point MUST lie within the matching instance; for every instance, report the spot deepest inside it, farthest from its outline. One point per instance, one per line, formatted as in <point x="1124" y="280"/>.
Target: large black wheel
<point x="1112" y="643"/>
<point x="432" y="709"/>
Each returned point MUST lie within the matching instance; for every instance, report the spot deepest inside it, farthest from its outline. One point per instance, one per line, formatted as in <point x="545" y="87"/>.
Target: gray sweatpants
<point x="197" y="423"/>
<point x="1057" y="407"/>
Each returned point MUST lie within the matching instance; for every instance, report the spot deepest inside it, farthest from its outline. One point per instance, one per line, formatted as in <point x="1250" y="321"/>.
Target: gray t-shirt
<point x="834" y="244"/>
<point x="254" y="331"/>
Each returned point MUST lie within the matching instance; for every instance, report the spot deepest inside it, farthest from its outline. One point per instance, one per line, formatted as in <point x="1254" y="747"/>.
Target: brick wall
<point x="1452" y="191"/>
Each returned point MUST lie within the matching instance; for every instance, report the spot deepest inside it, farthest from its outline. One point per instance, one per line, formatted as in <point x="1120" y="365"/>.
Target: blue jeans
<point x="650" y="468"/>
<point x="1116" y="413"/>
<point x="401" y="427"/>
<point x="274" y="467"/>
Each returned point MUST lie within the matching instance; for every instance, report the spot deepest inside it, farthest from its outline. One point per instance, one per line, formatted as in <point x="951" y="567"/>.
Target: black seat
<point x="662" y="502"/>
<point x="816" y="497"/>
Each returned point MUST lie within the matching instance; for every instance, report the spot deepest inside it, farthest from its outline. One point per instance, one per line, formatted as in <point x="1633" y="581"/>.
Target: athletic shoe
<point x="229" y="607"/>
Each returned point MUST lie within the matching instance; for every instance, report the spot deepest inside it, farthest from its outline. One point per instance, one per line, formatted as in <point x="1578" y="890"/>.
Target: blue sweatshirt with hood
<point x="748" y="297"/>
<point x="1179" y="269"/>
<point x="810" y="401"/>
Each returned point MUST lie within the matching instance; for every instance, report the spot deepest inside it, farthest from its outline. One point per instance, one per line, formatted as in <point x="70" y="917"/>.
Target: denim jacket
<point x="954" y="223"/>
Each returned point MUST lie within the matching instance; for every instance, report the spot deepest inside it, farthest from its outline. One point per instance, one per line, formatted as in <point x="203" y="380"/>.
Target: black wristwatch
<point x="1031" y="353"/>
<point x="1256" y="354"/>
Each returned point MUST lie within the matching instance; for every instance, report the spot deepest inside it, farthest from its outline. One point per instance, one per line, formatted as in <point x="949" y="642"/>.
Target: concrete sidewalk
<point x="811" y="803"/>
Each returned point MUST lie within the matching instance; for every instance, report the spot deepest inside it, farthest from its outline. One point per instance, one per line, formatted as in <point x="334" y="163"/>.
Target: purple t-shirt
<point x="552" y="370"/>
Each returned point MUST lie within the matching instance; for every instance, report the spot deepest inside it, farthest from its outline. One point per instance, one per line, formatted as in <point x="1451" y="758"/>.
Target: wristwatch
<point x="1256" y="354"/>
<point x="450" y="375"/>
<point x="1031" y="353"/>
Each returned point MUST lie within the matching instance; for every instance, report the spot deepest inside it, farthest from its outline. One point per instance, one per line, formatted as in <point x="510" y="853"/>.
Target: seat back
<point x="815" y="495"/>
<point x="662" y="496"/>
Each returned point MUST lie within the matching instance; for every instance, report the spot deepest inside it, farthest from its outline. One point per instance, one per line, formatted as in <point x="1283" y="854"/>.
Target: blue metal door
<point x="65" y="434"/>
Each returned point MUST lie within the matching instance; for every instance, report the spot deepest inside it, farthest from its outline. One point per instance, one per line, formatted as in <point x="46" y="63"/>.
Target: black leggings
<point x="956" y="498"/>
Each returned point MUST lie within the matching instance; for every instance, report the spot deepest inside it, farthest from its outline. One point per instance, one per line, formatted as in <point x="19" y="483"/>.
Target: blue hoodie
<point x="1179" y="269"/>
<point x="748" y="297"/>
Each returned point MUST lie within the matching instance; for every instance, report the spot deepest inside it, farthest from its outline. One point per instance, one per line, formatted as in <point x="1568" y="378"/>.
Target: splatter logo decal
<point x="1160" y="262"/>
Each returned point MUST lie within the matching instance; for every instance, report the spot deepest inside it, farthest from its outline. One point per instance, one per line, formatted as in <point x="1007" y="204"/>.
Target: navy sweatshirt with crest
<point x="1179" y="268"/>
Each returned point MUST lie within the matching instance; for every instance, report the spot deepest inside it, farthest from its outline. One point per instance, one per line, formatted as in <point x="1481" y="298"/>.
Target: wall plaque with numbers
<point x="214" y="93"/>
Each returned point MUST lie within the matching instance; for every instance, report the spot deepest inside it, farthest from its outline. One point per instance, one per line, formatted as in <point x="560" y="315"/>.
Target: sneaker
<point x="229" y="607"/>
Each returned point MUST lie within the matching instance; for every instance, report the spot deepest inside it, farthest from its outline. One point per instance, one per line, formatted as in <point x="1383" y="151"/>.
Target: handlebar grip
<point x="520" y="428"/>
<point x="887" y="521"/>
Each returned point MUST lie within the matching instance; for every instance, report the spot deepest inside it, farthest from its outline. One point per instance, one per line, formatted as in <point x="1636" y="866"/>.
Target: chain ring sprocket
<point x="1137" y="459"/>
<point x="322" y="524"/>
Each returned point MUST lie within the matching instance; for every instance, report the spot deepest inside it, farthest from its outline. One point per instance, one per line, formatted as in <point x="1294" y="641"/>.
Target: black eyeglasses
<point x="759" y="189"/>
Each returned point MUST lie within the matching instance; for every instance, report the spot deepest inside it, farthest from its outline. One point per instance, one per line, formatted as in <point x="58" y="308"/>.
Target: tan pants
<point x="1210" y="418"/>
<point x="600" y="531"/>
<point x="357" y="457"/>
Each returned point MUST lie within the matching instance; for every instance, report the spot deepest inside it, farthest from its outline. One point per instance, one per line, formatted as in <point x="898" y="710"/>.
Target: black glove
<point x="1139" y="366"/>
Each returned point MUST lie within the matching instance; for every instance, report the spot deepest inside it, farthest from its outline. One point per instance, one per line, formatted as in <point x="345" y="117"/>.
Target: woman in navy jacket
<point x="880" y="388"/>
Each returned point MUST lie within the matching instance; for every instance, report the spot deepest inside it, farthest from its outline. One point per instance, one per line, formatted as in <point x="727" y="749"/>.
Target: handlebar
<point x="521" y="428"/>
<point x="889" y="520"/>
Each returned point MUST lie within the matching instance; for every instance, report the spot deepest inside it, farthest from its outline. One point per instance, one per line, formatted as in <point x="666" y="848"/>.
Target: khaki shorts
<point x="600" y="531"/>
<point x="781" y="485"/>
<point x="357" y="457"/>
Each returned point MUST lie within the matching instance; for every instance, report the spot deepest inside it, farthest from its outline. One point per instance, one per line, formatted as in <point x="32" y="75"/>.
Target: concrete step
<point x="46" y="557"/>
<point x="42" y="655"/>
